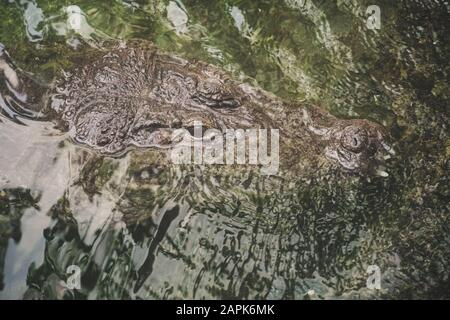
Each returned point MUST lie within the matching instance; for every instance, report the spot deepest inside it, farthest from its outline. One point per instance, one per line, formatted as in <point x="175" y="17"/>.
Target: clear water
<point x="140" y="231"/>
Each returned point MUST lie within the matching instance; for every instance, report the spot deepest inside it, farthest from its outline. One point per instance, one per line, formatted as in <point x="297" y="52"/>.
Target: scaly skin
<point x="132" y="95"/>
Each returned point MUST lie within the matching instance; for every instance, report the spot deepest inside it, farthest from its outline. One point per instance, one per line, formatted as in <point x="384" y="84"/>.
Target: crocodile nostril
<point x="354" y="138"/>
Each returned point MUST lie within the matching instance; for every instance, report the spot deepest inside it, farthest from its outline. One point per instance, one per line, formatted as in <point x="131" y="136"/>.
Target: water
<point x="139" y="230"/>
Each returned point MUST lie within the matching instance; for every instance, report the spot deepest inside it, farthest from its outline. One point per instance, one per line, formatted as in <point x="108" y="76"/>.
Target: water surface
<point x="142" y="231"/>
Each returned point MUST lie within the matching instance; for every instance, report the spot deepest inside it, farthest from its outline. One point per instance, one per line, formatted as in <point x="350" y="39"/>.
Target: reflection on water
<point x="138" y="229"/>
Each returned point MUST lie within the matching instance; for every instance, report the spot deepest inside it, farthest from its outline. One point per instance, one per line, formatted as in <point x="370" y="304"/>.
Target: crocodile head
<point x="133" y="95"/>
<point x="357" y="145"/>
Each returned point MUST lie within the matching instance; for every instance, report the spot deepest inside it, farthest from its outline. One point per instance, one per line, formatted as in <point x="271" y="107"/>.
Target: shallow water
<point x="137" y="230"/>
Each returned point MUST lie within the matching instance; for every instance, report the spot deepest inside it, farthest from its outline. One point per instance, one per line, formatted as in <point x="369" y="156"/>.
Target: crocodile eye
<point x="191" y="130"/>
<point x="354" y="138"/>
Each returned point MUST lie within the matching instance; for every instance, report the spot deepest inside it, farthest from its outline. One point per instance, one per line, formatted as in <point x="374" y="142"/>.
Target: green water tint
<point x="138" y="230"/>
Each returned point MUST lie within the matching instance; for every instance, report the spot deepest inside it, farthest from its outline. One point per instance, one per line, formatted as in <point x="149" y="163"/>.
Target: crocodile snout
<point x="358" y="145"/>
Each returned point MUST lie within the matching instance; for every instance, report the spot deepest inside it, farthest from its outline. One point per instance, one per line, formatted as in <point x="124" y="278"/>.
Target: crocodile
<point x="131" y="95"/>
